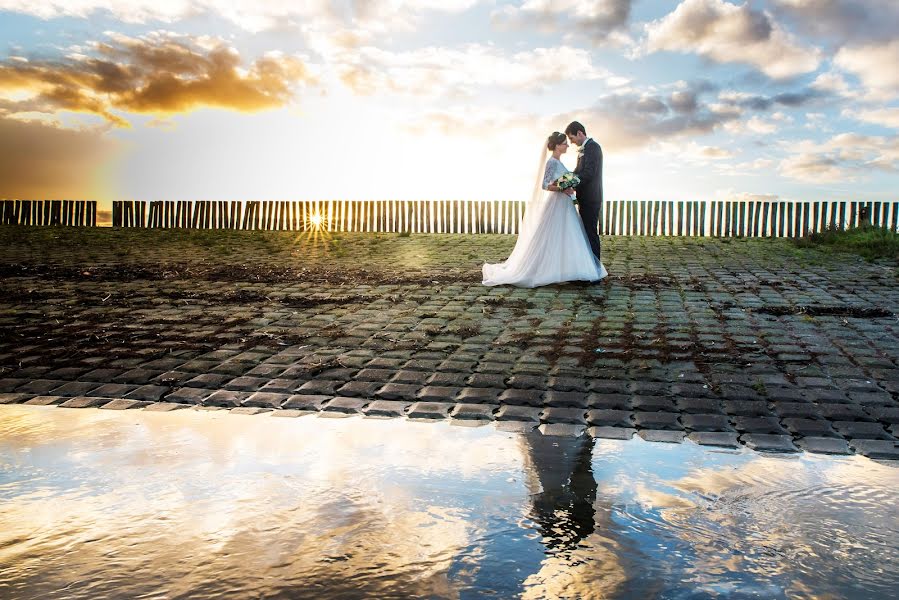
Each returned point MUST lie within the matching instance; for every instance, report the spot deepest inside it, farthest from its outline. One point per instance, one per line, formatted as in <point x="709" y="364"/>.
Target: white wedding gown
<point x="552" y="244"/>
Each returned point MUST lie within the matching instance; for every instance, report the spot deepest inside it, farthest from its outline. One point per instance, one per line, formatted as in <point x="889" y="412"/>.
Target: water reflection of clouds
<point x="313" y="499"/>
<point x="197" y="503"/>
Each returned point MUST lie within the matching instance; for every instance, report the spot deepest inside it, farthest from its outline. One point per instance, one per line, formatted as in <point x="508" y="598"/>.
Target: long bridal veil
<point x="536" y="204"/>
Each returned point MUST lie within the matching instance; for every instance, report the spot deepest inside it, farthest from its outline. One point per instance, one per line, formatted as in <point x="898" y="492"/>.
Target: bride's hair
<point x="554" y="139"/>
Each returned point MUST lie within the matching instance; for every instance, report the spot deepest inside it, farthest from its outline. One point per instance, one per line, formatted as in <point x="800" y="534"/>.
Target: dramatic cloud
<point x="632" y="121"/>
<point x="595" y="18"/>
<point x="874" y="65"/>
<point x="437" y="71"/>
<point x="42" y="161"/>
<point x="156" y="74"/>
<point x="843" y="20"/>
<point x="844" y="157"/>
<point x="251" y="15"/>
<point x="728" y="33"/>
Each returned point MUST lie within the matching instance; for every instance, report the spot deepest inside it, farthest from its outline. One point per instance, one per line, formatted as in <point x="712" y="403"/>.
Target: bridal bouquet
<point x="568" y="181"/>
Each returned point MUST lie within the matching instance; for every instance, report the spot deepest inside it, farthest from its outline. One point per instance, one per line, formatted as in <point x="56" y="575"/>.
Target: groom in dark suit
<point x="589" y="171"/>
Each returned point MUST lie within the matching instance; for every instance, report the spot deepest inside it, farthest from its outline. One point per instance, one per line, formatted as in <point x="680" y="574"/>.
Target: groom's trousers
<point x="591" y="212"/>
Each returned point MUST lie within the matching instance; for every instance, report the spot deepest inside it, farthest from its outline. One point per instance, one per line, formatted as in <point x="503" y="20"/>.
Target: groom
<point x="589" y="171"/>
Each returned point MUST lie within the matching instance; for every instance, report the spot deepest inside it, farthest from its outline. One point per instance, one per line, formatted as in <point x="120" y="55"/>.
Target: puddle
<point x="197" y="504"/>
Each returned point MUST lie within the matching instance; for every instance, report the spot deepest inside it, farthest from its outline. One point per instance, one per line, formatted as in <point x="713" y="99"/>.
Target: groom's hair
<point x="574" y="127"/>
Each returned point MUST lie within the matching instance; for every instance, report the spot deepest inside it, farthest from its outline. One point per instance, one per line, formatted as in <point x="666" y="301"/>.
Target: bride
<point x="552" y="244"/>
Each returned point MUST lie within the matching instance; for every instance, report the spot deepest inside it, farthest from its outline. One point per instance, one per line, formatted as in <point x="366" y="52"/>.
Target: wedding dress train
<point x="552" y="244"/>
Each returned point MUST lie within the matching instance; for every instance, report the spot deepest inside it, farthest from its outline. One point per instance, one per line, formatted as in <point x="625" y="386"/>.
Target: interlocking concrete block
<point x="707" y="423"/>
<point x="84" y="402"/>
<point x="186" y="395"/>
<point x="884" y="414"/>
<point x="657" y="420"/>
<point x="265" y="399"/>
<point x="12" y="398"/>
<point x="797" y="410"/>
<point x="290" y="413"/>
<point x="474" y="395"/>
<point x="522" y="397"/>
<point x="562" y="429"/>
<point x="112" y="390"/>
<point x="435" y="393"/>
<point x="39" y="386"/>
<point x="152" y="393"/>
<point x="483" y="412"/>
<point x="867" y="431"/>
<point x="844" y="412"/>
<point x="398" y="391"/>
<point x="661" y="435"/>
<point x="611" y="433"/>
<point x="429" y="410"/>
<point x="516" y="427"/>
<point x="249" y="410"/>
<point x="746" y="408"/>
<point x="568" y="384"/>
<point x="76" y="388"/>
<point x="226" y="398"/>
<point x="766" y="442"/>
<point x="609" y="401"/>
<point x="610" y="418"/>
<point x="705" y="406"/>
<point x="386" y="408"/>
<point x="123" y="404"/>
<point x="824" y="445"/>
<point x="165" y="406"/>
<point x="653" y="404"/>
<point x="8" y="385"/>
<point x="553" y="414"/>
<point x="342" y="404"/>
<point x="306" y="402"/>
<point x="45" y="400"/>
<point x="565" y="399"/>
<point x="512" y="412"/>
<point x="715" y="438"/>
<point x="809" y="428"/>
<point x="880" y="449"/>
<point x="759" y="425"/>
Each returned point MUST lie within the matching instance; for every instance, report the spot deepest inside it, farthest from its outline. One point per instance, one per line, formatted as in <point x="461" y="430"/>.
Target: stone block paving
<point x="726" y="342"/>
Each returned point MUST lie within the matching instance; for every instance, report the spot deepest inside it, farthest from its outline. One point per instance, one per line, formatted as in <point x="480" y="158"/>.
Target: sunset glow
<point x="402" y="99"/>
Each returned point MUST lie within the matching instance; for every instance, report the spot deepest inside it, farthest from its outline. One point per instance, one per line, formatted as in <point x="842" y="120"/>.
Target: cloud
<point x="250" y="15"/>
<point x="438" y="71"/>
<point x="885" y="117"/>
<point x="159" y="74"/>
<point x="874" y="65"/>
<point x="43" y="161"/>
<point x="728" y="33"/>
<point x="628" y="121"/>
<point x="845" y="157"/>
<point x="843" y="20"/>
<point x="594" y="18"/>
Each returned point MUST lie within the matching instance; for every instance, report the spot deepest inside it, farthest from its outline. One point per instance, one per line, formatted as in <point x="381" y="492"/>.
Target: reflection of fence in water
<point x="620" y="217"/>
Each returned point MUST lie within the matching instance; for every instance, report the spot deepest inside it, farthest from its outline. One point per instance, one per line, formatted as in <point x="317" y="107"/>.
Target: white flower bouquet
<point x="568" y="181"/>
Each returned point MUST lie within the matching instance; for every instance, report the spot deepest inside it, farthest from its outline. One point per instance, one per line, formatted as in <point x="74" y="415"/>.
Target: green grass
<point x="869" y="242"/>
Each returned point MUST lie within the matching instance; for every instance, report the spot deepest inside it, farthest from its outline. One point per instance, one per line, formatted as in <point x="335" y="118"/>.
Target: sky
<point x="439" y="99"/>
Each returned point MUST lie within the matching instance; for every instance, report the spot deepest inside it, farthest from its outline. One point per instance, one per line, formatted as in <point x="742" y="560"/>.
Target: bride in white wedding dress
<point x="552" y="244"/>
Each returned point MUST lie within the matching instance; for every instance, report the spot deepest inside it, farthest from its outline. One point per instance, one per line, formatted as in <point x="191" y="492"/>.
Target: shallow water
<point x="197" y="504"/>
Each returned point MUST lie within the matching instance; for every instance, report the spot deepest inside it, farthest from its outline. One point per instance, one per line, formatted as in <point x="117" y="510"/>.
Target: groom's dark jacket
<point x="589" y="192"/>
<point x="589" y="170"/>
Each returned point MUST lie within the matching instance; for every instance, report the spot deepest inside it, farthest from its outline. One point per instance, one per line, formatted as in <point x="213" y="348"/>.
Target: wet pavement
<point x="212" y="504"/>
<point x="728" y="342"/>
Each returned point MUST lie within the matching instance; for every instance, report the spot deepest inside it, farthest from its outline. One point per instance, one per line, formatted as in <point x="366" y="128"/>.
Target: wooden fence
<point x="81" y="213"/>
<point x="621" y="217"/>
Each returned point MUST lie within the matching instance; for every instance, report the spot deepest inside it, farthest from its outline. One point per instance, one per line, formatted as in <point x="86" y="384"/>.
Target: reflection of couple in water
<point x="560" y="480"/>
